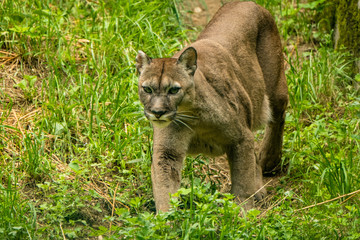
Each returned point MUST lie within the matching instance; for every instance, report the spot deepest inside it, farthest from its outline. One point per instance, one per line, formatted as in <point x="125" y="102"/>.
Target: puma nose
<point x="158" y="114"/>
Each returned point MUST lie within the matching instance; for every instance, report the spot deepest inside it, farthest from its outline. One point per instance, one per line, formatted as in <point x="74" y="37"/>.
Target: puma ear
<point x="142" y="61"/>
<point x="188" y="59"/>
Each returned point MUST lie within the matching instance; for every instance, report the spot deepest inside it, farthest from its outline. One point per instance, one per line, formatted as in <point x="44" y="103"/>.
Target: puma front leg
<point x="166" y="175"/>
<point x="243" y="170"/>
<point x="169" y="151"/>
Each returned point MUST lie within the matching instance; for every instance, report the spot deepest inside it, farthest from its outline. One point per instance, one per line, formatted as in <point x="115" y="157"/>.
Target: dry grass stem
<point x="330" y="200"/>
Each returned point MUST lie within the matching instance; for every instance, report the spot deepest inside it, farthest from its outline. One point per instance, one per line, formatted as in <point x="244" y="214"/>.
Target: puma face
<point x="166" y="86"/>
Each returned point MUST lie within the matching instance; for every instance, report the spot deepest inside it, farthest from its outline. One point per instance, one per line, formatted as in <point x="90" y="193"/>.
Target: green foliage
<point x="33" y="161"/>
<point x="213" y="216"/>
<point x="343" y="19"/>
<point x="28" y="87"/>
<point x="79" y="166"/>
<point x="17" y="216"/>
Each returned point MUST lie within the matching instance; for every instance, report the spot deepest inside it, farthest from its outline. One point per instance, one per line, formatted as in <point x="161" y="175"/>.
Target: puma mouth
<point x="160" y="123"/>
<point x="167" y="117"/>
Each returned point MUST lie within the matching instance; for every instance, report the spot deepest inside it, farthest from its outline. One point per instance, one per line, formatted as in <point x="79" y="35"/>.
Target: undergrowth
<point x="75" y="149"/>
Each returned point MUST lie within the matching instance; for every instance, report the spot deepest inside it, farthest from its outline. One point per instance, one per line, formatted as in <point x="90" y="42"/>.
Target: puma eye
<point x="174" y="90"/>
<point x="147" y="89"/>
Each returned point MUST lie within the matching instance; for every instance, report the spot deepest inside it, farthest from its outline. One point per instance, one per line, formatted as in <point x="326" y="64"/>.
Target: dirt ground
<point x="199" y="12"/>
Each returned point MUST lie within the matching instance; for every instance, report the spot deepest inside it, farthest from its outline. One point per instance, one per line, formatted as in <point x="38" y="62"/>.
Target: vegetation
<point x="75" y="149"/>
<point x="342" y="17"/>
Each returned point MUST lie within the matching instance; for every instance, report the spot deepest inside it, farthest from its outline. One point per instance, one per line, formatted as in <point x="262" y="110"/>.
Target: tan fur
<point x="209" y="98"/>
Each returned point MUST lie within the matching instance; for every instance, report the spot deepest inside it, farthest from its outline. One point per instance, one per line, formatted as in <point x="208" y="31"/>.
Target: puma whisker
<point x="187" y="116"/>
<point x="183" y="123"/>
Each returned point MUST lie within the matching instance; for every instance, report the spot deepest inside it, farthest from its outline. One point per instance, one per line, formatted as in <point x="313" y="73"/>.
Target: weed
<point x="28" y="87"/>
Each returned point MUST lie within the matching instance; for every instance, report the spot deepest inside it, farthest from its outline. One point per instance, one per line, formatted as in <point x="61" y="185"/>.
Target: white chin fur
<point x="160" y="124"/>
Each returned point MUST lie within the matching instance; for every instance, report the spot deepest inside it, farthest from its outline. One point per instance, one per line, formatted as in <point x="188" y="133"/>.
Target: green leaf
<point x="19" y="29"/>
<point x="58" y="128"/>
<point x="184" y="191"/>
<point x="31" y="80"/>
<point x="74" y="166"/>
<point x="22" y="84"/>
<point x="357" y="77"/>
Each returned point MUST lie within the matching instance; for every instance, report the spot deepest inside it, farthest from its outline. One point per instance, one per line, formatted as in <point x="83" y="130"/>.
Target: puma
<point x="211" y="96"/>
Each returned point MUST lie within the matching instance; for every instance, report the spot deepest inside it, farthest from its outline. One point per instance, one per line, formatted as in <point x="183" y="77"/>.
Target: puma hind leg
<point x="271" y="146"/>
<point x="270" y="56"/>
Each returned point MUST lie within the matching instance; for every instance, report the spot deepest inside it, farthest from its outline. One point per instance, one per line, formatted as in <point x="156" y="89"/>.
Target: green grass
<point x="75" y="149"/>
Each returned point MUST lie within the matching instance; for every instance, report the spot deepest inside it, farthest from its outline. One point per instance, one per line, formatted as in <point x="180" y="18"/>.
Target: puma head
<point x="166" y="85"/>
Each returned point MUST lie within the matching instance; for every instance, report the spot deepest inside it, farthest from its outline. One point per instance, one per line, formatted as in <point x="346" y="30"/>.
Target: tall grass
<point x="75" y="149"/>
<point x="90" y="115"/>
<point x="17" y="216"/>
